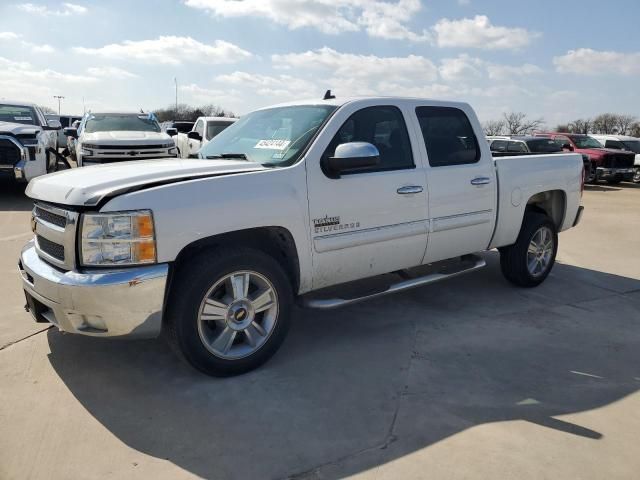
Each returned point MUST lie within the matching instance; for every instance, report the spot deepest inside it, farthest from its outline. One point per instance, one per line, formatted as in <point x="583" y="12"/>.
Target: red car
<point x="607" y="164"/>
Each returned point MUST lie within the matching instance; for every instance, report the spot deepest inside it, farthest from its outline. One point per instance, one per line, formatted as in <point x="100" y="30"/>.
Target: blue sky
<point x="559" y="60"/>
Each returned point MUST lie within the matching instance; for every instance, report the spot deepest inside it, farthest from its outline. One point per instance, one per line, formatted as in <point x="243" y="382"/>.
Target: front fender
<point x="188" y="211"/>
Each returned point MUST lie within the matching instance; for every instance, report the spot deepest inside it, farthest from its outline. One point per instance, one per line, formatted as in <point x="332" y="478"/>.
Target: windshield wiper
<point x="241" y="156"/>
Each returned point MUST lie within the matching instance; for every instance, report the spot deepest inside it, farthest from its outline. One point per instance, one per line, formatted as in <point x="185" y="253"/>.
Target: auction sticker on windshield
<point x="273" y="144"/>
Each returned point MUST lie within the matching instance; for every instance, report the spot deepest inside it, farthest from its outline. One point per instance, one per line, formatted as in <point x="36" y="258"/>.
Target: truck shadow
<point x="375" y="381"/>
<point x="12" y="196"/>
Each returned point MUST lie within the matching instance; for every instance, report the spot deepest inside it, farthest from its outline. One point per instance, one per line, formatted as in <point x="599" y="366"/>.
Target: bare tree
<point x="581" y="125"/>
<point x="635" y="130"/>
<point x="606" y="123"/>
<point x="624" y="123"/>
<point x="563" y="128"/>
<point x="47" y="110"/>
<point x="517" y="123"/>
<point x="493" y="127"/>
<point x="189" y="113"/>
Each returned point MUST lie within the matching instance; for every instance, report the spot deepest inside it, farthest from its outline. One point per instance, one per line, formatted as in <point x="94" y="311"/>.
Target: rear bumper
<point x="101" y="303"/>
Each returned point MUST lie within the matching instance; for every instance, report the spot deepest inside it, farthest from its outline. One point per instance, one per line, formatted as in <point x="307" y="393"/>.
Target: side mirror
<point x="70" y="132"/>
<point x="194" y="136"/>
<point x="350" y="156"/>
<point x="172" y="132"/>
<point x="53" y="125"/>
<point x="567" y="146"/>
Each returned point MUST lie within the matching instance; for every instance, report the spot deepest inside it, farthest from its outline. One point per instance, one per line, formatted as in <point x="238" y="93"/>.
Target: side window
<point x="382" y="126"/>
<point x="516" y="147"/>
<point x="64" y="121"/>
<point x="200" y="128"/>
<point x="499" y="146"/>
<point x="562" y="141"/>
<point x="613" y="144"/>
<point x="448" y="136"/>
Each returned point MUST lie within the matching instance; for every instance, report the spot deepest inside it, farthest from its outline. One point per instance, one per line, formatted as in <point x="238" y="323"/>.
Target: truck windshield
<point x="214" y="128"/>
<point x="586" y="142"/>
<point x="18" y="114"/>
<point x="275" y="137"/>
<point x="544" y="145"/>
<point x="109" y="122"/>
<point x="632" y="145"/>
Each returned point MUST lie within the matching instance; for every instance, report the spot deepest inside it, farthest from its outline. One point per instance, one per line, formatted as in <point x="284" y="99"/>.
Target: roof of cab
<point x="340" y="101"/>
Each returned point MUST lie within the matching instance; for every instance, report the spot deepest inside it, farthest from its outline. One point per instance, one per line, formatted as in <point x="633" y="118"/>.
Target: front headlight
<point x="173" y="151"/>
<point x="120" y="238"/>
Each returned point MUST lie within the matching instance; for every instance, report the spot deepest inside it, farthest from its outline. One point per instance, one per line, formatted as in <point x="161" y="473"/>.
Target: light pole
<point x="175" y="80"/>
<point x="59" y="97"/>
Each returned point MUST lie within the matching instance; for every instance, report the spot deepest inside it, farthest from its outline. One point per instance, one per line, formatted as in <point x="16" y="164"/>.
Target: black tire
<point x="636" y="174"/>
<point x="514" y="258"/>
<point x="615" y="180"/>
<point x="592" y="175"/>
<point x="192" y="283"/>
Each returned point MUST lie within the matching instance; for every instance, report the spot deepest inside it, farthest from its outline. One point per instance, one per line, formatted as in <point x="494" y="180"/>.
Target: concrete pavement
<point x="470" y="378"/>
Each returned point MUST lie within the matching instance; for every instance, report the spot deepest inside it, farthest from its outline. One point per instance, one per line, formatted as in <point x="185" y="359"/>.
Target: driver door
<point x="372" y="220"/>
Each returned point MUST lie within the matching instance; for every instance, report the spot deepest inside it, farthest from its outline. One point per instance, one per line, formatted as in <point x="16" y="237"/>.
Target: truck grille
<point x="51" y="217"/>
<point x="619" y="161"/>
<point x="9" y="153"/>
<point x="55" y="230"/>
<point x="50" y="248"/>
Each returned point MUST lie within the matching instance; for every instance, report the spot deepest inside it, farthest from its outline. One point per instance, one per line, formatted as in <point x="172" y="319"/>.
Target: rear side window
<point x="448" y="136"/>
<point x="613" y="144"/>
<point x="499" y="146"/>
<point x="385" y="128"/>
<point x="517" y="147"/>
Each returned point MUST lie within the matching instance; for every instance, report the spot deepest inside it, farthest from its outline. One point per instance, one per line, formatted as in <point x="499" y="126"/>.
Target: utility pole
<point x="59" y="97"/>
<point x="84" y="109"/>
<point x="175" y="80"/>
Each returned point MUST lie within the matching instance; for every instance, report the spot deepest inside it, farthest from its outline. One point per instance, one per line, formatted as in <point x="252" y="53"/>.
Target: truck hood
<point x="18" y="128"/>
<point x="598" y="152"/>
<point x="125" y="137"/>
<point x="89" y="186"/>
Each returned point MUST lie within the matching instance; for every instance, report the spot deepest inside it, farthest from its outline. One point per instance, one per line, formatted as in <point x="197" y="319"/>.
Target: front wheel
<point x="636" y="175"/>
<point x="527" y="263"/>
<point x="229" y="311"/>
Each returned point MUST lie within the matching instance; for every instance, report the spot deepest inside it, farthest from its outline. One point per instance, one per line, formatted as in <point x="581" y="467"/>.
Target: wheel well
<point x="551" y="203"/>
<point x="275" y="241"/>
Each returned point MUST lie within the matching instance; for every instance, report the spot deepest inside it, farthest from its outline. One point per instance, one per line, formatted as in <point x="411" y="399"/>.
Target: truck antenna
<point x="328" y="95"/>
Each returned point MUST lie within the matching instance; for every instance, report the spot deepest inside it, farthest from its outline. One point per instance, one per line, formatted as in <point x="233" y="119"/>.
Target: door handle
<point x="408" y="190"/>
<point x="481" y="181"/>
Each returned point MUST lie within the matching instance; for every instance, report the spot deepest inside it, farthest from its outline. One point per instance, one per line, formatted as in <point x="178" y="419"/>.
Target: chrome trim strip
<point x="470" y="219"/>
<point x="339" y="241"/>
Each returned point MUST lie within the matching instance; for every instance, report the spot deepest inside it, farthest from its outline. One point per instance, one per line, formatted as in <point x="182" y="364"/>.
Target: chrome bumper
<point x="101" y="303"/>
<point x="610" y="172"/>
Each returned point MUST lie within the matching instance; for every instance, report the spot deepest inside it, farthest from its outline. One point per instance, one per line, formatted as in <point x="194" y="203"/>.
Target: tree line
<point x="517" y="123"/>
<point x="189" y="113"/>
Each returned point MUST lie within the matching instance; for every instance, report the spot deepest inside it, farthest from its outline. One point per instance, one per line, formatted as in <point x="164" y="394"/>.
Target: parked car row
<point x="203" y="131"/>
<point x="610" y="158"/>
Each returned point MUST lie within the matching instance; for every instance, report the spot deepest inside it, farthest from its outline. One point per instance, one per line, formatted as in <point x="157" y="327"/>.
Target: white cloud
<point x="383" y="19"/>
<point x="66" y="9"/>
<point x="586" y="61"/>
<point x="110" y="72"/>
<point x="505" y="72"/>
<point x="478" y="32"/>
<point x="462" y="67"/>
<point x="170" y="50"/>
<point x="278" y="86"/>
<point x="33" y="47"/>
<point x="362" y="67"/>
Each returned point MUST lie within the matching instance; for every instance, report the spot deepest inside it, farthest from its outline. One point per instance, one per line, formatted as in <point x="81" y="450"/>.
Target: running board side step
<point x="329" y="303"/>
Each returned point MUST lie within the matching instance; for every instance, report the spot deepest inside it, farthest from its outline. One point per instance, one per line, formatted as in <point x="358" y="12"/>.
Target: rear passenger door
<point x="462" y="183"/>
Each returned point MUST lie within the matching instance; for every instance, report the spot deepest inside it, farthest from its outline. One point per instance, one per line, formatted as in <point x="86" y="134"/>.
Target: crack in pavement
<point x="25" y="338"/>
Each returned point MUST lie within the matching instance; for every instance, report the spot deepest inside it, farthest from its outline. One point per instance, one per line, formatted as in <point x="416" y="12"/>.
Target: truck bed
<point x="522" y="177"/>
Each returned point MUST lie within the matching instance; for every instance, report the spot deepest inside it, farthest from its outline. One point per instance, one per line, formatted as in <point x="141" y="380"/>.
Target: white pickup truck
<point x="289" y="203"/>
<point x="28" y="141"/>
<point x="204" y="130"/>
<point x="113" y="137"/>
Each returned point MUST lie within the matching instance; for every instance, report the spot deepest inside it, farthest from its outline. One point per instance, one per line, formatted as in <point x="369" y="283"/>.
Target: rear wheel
<point x="592" y="176"/>
<point x="615" y="180"/>
<point x="229" y="311"/>
<point x="528" y="262"/>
